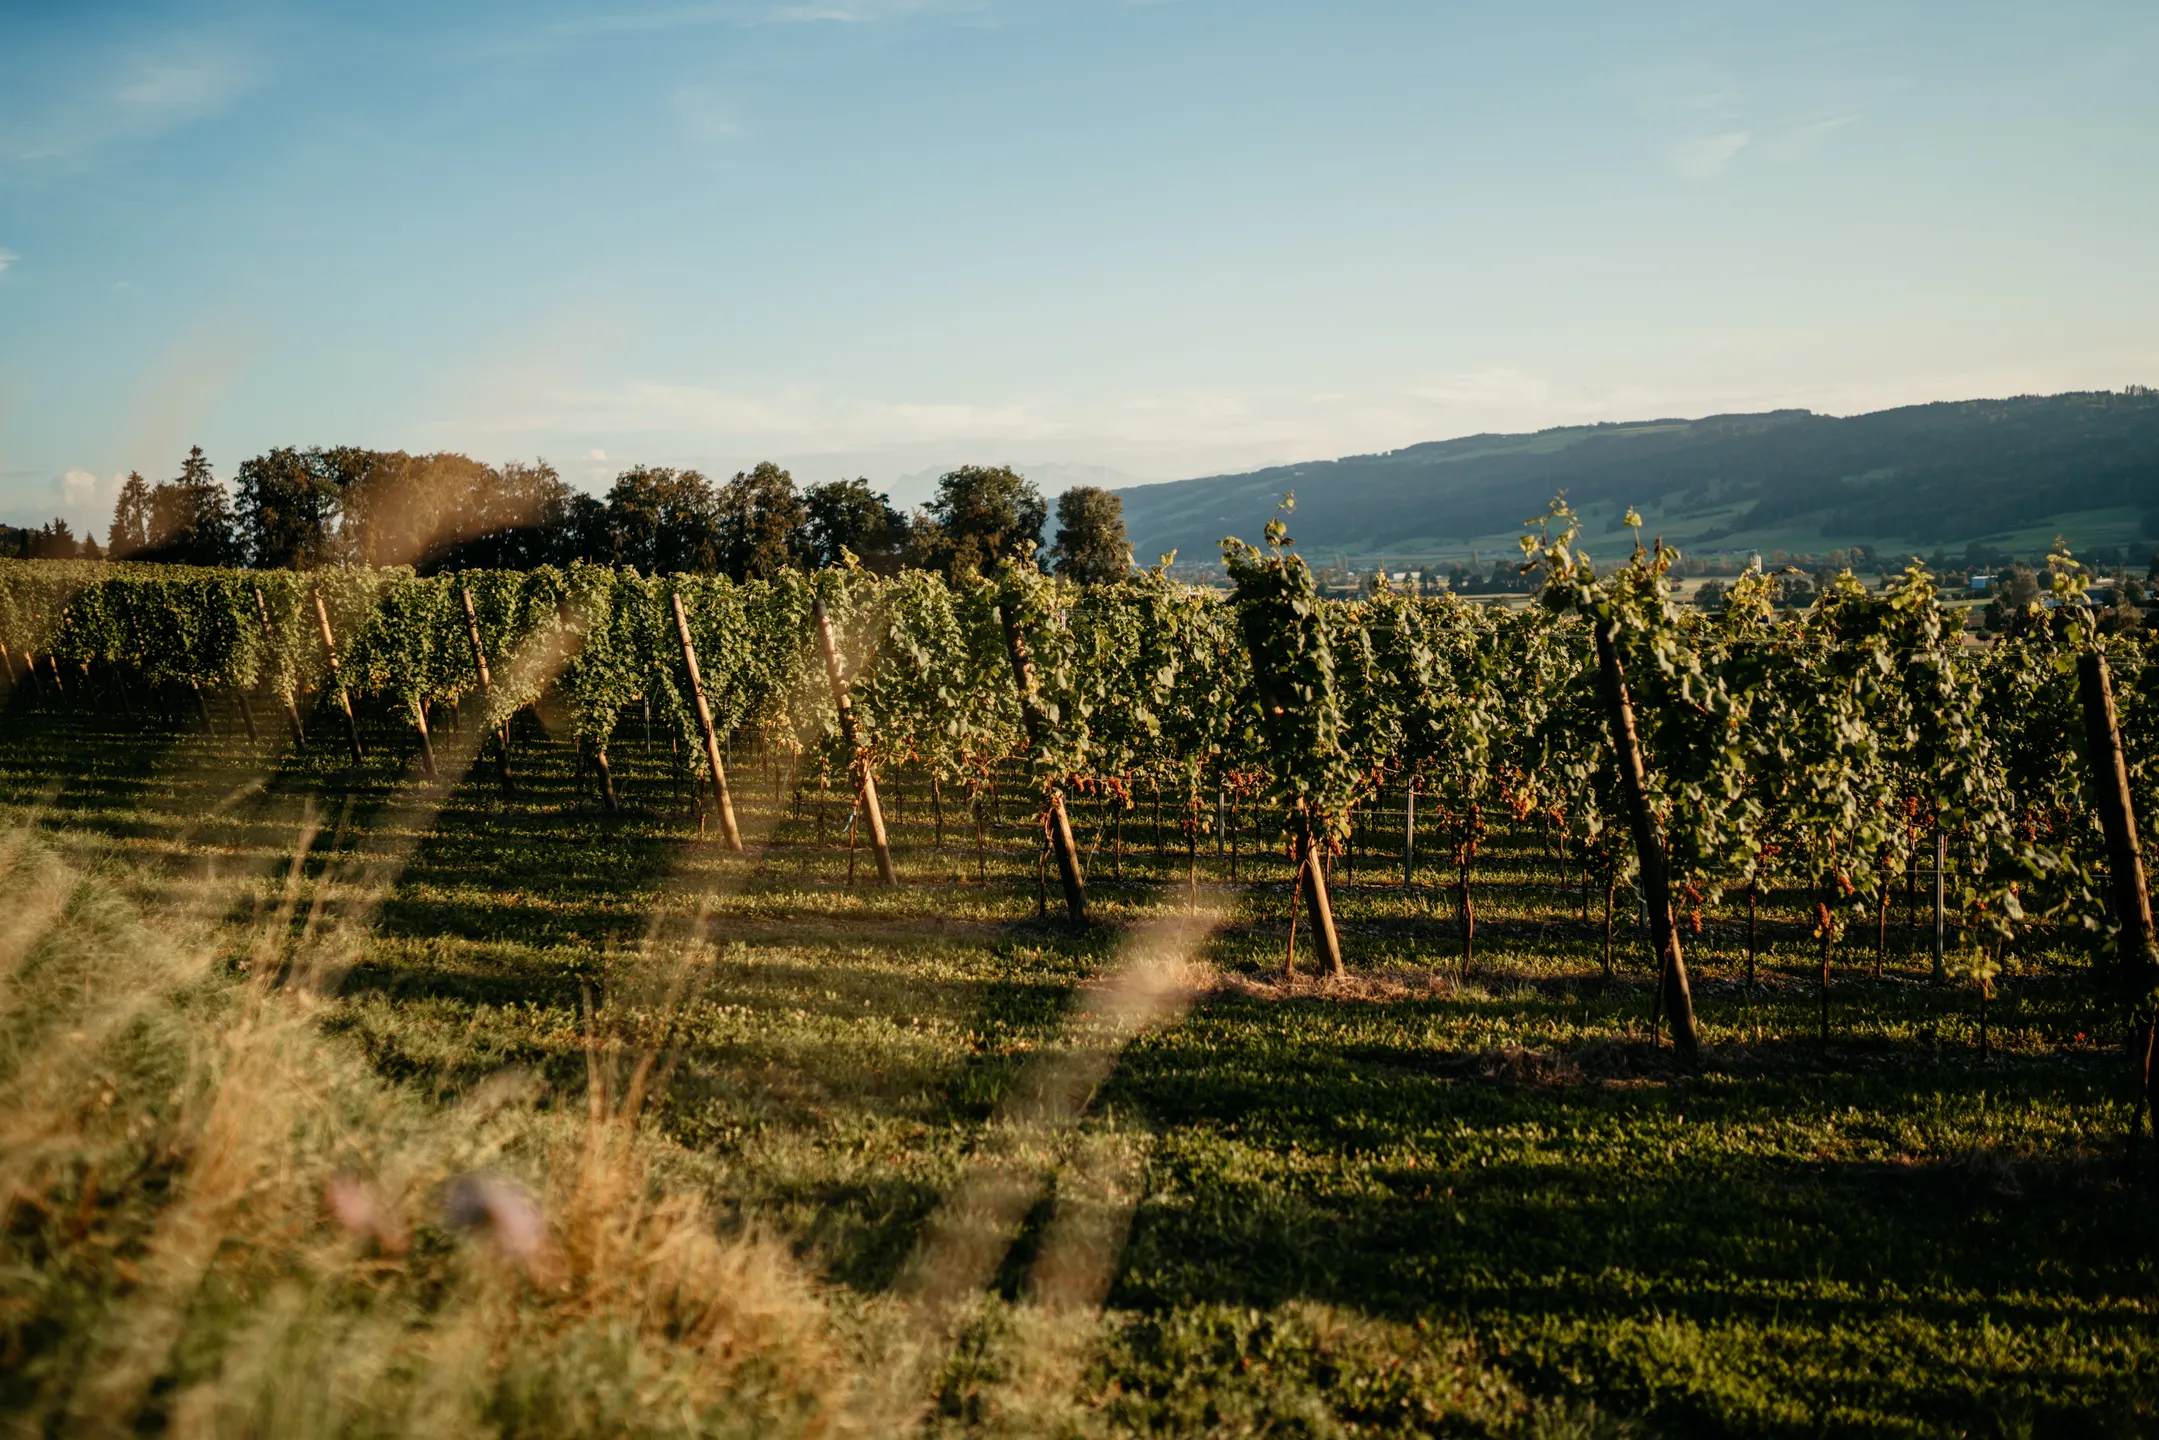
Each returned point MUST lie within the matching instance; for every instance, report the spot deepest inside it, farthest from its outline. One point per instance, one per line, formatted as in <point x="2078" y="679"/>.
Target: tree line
<point x="300" y="509"/>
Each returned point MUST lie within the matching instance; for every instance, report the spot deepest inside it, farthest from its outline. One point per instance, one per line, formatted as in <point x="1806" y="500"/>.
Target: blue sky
<point x="1125" y="239"/>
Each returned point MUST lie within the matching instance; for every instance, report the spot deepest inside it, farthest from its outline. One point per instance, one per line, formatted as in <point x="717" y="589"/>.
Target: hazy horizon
<point x="1149" y="240"/>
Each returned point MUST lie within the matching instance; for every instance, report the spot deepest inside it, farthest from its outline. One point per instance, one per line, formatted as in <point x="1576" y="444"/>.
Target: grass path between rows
<point x="970" y="1171"/>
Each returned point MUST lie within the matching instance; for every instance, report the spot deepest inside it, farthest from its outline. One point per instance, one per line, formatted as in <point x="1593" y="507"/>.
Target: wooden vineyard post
<point x="729" y="835"/>
<point x="2130" y="897"/>
<point x="1409" y="834"/>
<point x="487" y="684"/>
<point x="2117" y="815"/>
<point x="607" y="778"/>
<point x="591" y="751"/>
<point x="1672" y="989"/>
<point x="1941" y="896"/>
<point x="1314" y="878"/>
<point x="1060" y="826"/>
<point x="859" y="761"/>
<point x="1234" y="855"/>
<point x="337" y="679"/>
<point x="1122" y="800"/>
<point x="427" y="741"/>
<point x="269" y="642"/>
<point x="8" y="660"/>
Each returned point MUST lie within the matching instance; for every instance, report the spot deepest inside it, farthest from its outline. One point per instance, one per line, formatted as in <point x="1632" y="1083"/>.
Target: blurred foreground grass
<point x="334" y="1105"/>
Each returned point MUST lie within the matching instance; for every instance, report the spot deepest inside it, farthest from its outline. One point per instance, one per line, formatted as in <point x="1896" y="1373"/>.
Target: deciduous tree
<point x="1092" y="547"/>
<point x="288" y="510"/>
<point x="848" y="515"/>
<point x="983" y="514"/>
<point x="763" y="527"/>
<point x="663" y="521"/>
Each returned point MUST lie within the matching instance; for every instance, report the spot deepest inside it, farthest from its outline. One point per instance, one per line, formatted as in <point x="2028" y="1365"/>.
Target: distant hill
<point x="2007" y="474"/>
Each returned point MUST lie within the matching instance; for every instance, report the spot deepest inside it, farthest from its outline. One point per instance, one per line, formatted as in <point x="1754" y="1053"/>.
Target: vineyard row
<point x="1695" y="757"/>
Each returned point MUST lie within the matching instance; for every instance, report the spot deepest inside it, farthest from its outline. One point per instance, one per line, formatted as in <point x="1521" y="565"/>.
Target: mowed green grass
<point x="1423" y="1202"/>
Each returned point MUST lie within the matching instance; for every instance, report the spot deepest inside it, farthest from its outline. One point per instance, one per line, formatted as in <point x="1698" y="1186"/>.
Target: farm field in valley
<point x="975" y="1180"/>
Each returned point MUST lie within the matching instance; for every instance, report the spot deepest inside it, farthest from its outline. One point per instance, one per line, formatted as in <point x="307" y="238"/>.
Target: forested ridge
<point x="1941" y="474"/>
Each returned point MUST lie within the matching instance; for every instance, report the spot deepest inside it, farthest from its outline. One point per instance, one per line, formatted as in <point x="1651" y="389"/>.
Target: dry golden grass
<point x="221" y="1221"/>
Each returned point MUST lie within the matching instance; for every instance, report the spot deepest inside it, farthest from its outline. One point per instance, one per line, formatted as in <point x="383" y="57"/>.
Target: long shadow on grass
<point x="1301" y="1155"/>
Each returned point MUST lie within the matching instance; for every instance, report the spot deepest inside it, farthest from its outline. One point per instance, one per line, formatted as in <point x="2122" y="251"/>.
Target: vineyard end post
<point x="2139" y="961"/>
<point x="1324" y="938"/>
<point x="427" y="741"/>
<point x="607" y="778"/>
<point x="269" y="643"/>
<point x="1409" y="834"/>
<point x="859" y="760"/>
<point x="1648" y="845"/>
<point x="487" y="684"/>
<point x="1941" y="903"/>
<point x="2117" y="815"/>
<point x="729" y="834"/>
<point x="337" y="678"/>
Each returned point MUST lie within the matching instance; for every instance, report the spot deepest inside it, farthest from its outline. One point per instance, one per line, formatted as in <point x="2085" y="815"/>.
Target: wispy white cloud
<point x="1161" y="434"/>
<point x="176" y="87"/>
<point x="1714" y="107"/>
<point x="1705" y="157"/>
<point x="1803" y="140"/>
<point x="1194" y="431"/>
<point x="7" y="258"/>
<point x="705" y="116"/>
<point x="736" y="13"/>
<point x="81" y="105"/>
<point x="1481" y="389"/>
<point x="917" y="420"/>
<point x="820" y="14"/>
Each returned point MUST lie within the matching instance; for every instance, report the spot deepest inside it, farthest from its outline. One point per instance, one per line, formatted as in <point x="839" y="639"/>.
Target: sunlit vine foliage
<point x="1817" y="752"/>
